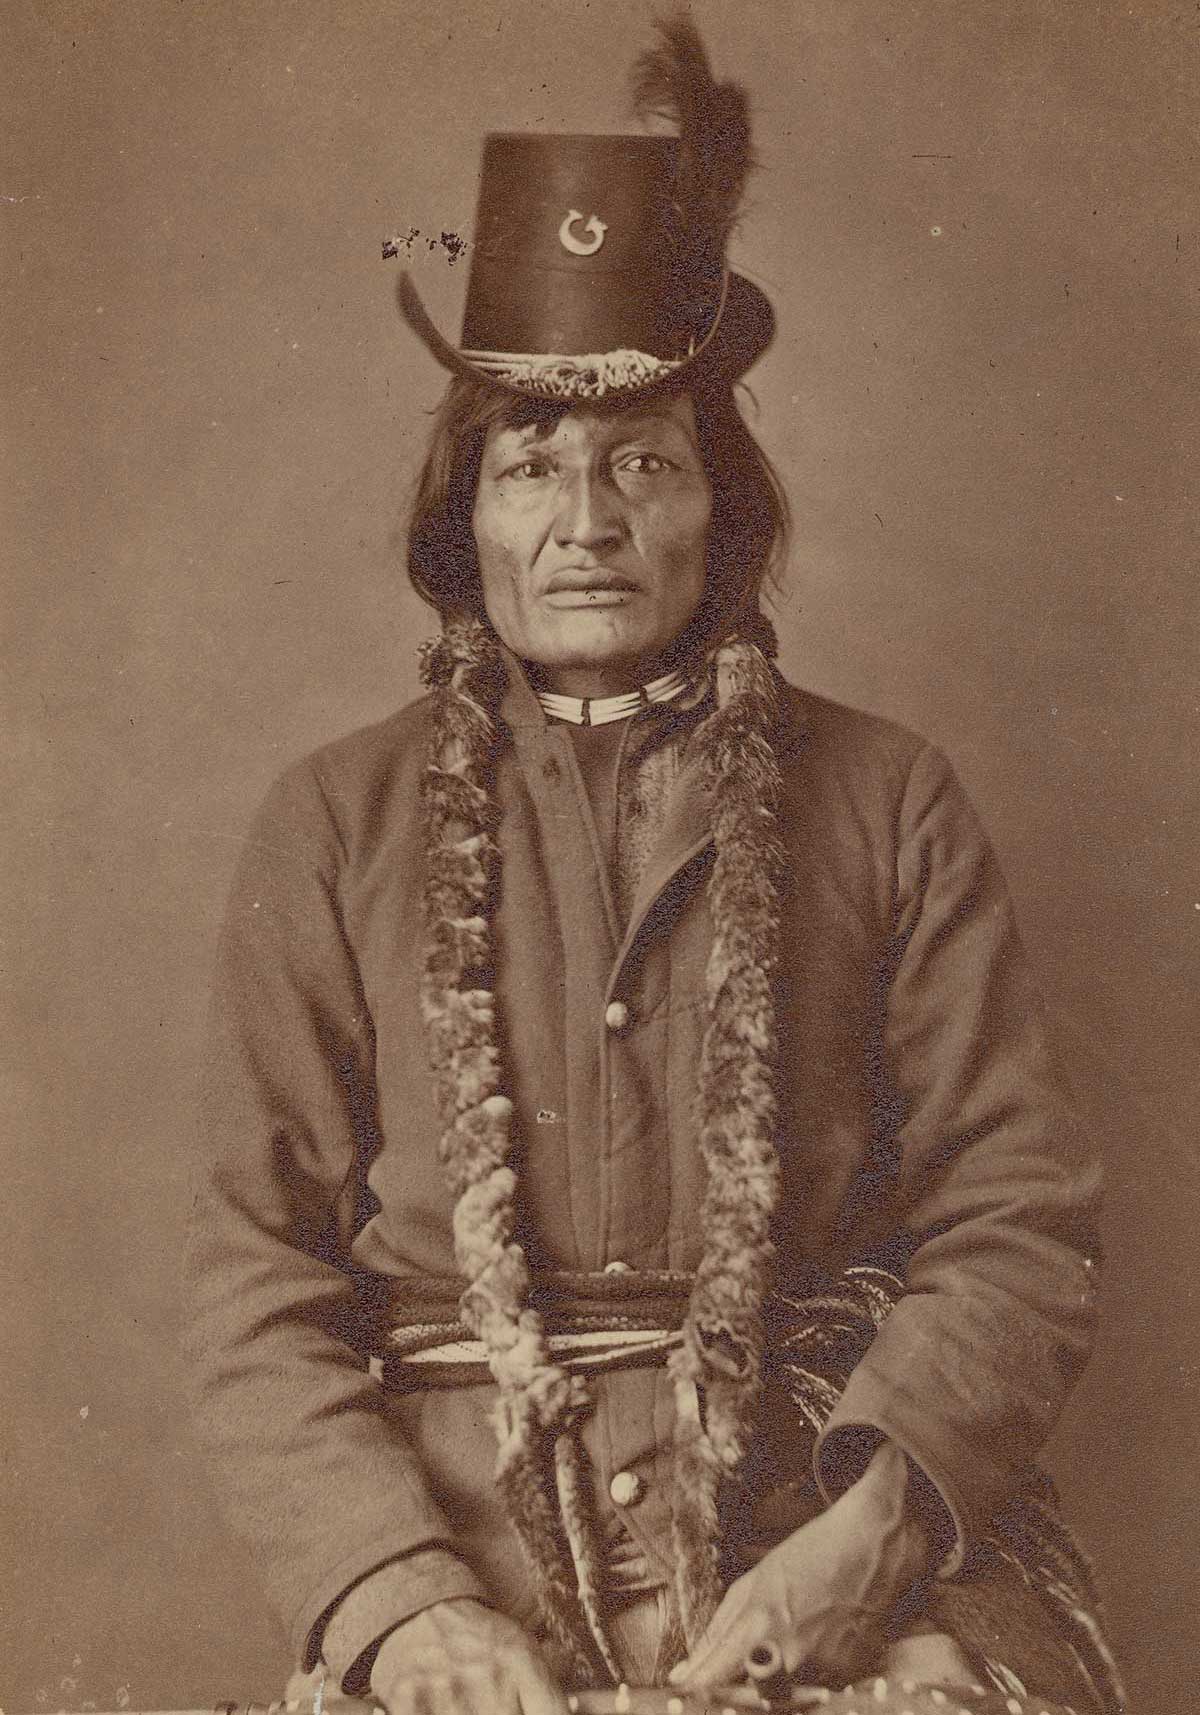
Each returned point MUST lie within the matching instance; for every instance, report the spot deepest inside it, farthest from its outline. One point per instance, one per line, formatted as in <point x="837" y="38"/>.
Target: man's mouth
<point x="583" y="587"/>
<point x="609" y="596"/>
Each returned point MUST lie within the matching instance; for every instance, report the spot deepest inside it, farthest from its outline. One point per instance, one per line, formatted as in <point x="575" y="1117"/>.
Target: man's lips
<point x="586" y="587"/>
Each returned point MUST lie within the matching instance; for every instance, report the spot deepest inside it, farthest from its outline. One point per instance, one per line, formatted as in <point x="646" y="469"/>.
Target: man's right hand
<point x="461" y="1658"/>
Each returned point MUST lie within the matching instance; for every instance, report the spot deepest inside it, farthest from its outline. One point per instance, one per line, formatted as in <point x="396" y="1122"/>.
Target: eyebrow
<point x="531" y="434"/>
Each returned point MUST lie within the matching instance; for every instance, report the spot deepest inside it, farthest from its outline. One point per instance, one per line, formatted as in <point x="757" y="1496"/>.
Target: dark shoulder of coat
<point x="852" y="760"/>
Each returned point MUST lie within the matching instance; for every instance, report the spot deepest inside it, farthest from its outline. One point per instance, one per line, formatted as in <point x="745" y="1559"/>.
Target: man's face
<point x="591" y="538"/>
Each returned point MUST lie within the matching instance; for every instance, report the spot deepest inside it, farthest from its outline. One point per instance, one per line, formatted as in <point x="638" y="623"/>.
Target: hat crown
<point x="529" y="182"/>
<point x="576" y="243"/>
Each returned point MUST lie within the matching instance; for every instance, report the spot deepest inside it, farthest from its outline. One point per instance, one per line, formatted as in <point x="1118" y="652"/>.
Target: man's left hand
<point x="825" y="1594"/>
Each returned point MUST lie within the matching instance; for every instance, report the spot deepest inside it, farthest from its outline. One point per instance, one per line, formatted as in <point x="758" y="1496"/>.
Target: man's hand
<point x="460" y="1658"/>
<point x="826" y="1593"/>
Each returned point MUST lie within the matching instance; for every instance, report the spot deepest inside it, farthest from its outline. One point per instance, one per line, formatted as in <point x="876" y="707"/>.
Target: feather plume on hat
<point x="674" y="82"/>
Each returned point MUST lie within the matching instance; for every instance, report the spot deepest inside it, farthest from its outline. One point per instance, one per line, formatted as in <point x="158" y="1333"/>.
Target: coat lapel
<point x="687" y="830"/>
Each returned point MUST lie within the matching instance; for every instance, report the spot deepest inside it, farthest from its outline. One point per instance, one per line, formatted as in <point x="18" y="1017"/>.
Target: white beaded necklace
<point x="598" y="711"/>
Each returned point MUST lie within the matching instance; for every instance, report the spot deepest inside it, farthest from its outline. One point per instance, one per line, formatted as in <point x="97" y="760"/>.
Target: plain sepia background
<point x="977" y="219"/>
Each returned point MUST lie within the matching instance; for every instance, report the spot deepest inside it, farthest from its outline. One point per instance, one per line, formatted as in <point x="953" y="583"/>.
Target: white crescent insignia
<point x="577" y="246"/>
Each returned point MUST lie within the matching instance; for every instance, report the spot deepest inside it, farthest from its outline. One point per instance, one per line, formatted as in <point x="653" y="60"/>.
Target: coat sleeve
<point x="309" y="1460"/>
<point x="996" y="1191"/>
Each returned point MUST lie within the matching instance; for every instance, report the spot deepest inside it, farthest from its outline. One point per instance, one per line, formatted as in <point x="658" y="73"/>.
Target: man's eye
<point x="526" y="469"/>
<point x="645" y="464"/>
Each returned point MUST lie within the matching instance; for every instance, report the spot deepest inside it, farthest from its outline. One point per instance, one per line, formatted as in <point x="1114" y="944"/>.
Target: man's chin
<point x="591" y="640"/>
<point x="579" y="670"/>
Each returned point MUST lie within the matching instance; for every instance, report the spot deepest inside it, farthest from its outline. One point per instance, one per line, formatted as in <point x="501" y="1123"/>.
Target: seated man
<point x="641" y="1223"/>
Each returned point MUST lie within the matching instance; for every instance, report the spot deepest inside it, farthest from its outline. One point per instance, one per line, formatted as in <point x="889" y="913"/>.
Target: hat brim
<point x="741" y="331"/>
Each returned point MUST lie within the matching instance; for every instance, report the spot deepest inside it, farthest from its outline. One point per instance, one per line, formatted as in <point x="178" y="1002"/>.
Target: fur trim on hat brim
<point x="742" y="330"/>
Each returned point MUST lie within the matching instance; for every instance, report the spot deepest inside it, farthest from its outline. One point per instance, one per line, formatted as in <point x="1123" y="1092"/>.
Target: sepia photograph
<point x="601" y="673"/>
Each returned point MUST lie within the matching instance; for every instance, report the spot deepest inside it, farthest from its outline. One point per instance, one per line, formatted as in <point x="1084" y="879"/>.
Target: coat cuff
<point x="356" y="1626"/>
<point x="841" y="1455"/>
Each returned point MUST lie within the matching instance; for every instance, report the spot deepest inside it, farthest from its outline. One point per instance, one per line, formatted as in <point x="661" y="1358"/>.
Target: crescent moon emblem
<point x="576" y="246"/>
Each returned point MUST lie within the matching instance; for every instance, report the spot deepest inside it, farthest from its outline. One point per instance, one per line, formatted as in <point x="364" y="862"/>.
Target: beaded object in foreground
<point x="875" y="1696"/>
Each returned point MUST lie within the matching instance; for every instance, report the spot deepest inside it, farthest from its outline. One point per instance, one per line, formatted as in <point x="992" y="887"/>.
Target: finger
<point x="711" y="1638"/>
<point x="403" y="1697"/>
<point x="398" y="1695"/>
<point x="697" y="1668"/>
<point x="498" y="1695"/>
<point x="720" y="1658"/>
<point x="538" y="1692"/>
<point x="433" y="1695"/>
<point x="460" y="1694"/>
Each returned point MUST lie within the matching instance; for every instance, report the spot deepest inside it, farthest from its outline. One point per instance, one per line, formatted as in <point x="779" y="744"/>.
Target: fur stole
<point x="540" y="1459"/>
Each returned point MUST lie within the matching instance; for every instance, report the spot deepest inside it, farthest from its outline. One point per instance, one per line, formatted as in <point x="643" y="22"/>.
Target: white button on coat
<point x="616" y="1015"/>
<point x="626" y="1488"/>
<point x="618" y="1267"/>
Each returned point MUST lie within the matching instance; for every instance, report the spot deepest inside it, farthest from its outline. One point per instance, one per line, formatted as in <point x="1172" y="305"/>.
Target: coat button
<point x="626" y="1488"/>
<point x="618" y="1267"/>
<point x="616" y="1015"/>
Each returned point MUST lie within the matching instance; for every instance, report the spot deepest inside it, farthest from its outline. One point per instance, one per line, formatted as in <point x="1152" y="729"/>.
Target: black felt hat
<point x="598" y="263"/>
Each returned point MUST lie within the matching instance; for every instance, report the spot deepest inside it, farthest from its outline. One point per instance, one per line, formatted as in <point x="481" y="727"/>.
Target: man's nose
<point x="589" y="512"/>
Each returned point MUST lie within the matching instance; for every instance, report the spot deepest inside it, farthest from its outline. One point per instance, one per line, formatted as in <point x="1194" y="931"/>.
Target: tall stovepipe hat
<point x="598" y="265"/>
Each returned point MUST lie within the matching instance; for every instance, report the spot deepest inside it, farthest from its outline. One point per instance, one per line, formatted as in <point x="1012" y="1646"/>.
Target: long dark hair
<point x="747" y="534"/>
